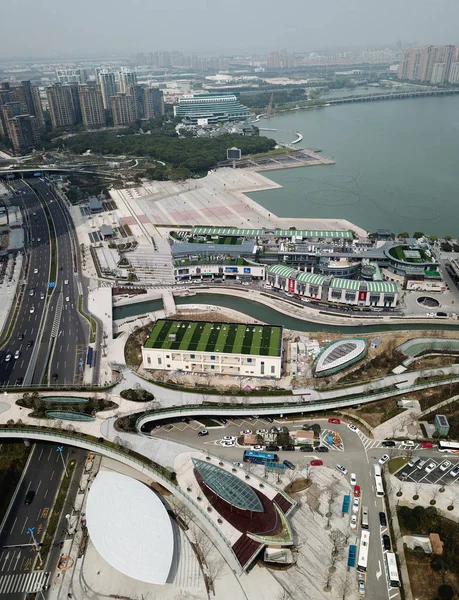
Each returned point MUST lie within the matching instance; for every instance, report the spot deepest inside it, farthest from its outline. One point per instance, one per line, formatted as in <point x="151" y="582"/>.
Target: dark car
<point x="19" y="380"/>
<point x="306" y="449"/>
<point x="386" y="542"/>
<point x="268" y="419"/>
<point x="203" y="433"/>
<point x="55" y="377"/>
<point x="185" y="420"/>
<point x="30" y="344"/>
<point x="272" y="448"/>
<point x="388" y="444"/>
<point x="29" y="497"/>
<point x="222" y="420"/>
<point x="382" y="519"/>
<point x="321" y="449"/>
<point x="289" y="465"/>
<point x="21" y="336"/>
<point x="289" y="448"/>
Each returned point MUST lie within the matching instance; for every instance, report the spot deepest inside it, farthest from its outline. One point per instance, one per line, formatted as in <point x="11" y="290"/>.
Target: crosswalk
<point x="29" y="582"/>
<point x="369" y="444"/>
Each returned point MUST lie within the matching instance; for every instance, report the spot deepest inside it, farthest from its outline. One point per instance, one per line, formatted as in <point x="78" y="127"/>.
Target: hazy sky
<point x="96" y="27"/>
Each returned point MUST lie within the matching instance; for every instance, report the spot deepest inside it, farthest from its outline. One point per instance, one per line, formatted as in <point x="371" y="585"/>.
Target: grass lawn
<point x="396" y="463"/>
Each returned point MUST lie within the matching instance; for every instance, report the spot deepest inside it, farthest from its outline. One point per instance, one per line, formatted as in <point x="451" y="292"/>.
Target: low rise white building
<point x="249" y="350"/>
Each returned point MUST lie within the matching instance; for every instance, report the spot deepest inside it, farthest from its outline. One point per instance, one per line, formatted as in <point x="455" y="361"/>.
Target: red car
<point x="357" y="491"/>
<point x="334" y="421"/>
<point x="426" y="445"/>
<point x="316" y="463"/>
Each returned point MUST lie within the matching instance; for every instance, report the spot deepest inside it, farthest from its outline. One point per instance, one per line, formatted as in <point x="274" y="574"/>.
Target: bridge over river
<point x="393" y="96"/>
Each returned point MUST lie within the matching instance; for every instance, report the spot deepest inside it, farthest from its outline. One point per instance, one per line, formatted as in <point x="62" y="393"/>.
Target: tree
<point x="403" y="235"/>
<point x="215" y="565"/>
<point x="418" y="234"/>
<point x="344" y="587"/>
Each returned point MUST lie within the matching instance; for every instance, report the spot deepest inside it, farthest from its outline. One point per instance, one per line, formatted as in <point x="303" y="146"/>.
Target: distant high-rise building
<point x="454" y="73"/>
<point x="122" y="108"/>
<point x="23" y="132"/>
<point x="92" y="105"/>
<point x="71" y="75"/>
<point x="29" y="96"/>
<point x="431" y="64"/>
<point x="126" y="78"/>
<point x="136" y="91"/>
<point x="61" y="105"/>
<point x="153" y="102"/>
<point x="107" y="82"/>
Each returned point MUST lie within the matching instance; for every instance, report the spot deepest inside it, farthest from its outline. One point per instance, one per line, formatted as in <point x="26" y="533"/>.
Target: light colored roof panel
<point x="310" y="278"/>
<point x="306" y="233"/>
<point x="345" y="284"/>
<point x="130" y="528"/>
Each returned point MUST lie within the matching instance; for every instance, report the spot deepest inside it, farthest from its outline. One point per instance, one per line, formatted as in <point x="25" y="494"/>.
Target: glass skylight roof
<point x="229" y="487"/>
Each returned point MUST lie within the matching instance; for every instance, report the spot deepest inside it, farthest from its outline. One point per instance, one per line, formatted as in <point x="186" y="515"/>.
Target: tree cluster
<point x="182" y="155"/>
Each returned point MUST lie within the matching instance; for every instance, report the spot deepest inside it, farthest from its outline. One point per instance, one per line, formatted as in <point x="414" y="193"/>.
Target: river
<point x="263" y="313"/>
<point x="396" y="165"/>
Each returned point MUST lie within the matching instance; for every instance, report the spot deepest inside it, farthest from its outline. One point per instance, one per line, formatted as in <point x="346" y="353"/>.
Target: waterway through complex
<point x="263" y="313"/>
<point x="396" y="165"/>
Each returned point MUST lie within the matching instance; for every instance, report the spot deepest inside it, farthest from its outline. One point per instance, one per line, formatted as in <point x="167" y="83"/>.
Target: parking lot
<point x="441" y="474"/>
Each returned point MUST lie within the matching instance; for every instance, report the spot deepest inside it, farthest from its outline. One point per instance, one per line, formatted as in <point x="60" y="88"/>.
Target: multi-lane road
<point x="49" y="334"/>
<point x="18" y="555"/>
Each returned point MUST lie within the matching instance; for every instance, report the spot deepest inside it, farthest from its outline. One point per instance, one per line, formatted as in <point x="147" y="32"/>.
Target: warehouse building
<point x="214" y="348"/>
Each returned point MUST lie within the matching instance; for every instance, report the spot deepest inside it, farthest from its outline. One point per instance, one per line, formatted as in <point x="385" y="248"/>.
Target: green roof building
<point x="214" y="348"/>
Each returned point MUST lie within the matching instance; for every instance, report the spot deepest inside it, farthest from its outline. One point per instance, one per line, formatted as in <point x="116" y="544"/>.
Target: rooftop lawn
<point x="230" y="338"/>
<point x="398" y="253"/>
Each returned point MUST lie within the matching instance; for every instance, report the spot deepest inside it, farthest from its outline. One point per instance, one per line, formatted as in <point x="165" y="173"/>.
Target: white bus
<point x="363" y="551"/>
<point x="378" y="481"/>
<point x="451" y="447"/>
<point x="392" y="571"/>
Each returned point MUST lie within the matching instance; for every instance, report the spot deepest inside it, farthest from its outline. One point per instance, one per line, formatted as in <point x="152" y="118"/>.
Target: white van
<point x="414" y="461"/>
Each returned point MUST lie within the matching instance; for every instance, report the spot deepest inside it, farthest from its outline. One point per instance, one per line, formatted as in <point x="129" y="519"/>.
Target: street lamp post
<point x="60" y="449"/>
<point x="30" y="531"/>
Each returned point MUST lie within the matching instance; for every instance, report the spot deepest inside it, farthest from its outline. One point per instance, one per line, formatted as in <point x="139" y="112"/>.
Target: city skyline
<point x="217" y="27"/>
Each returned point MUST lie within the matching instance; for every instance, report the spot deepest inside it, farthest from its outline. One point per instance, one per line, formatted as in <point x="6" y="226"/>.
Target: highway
<point x="17" y="553"/>
<point x="26" y="328"/>
<point x="64" y="331"/>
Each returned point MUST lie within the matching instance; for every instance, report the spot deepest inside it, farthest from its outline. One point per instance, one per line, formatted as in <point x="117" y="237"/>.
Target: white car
<point x="67" y="298"/>
<point x="66" y="281"/>
<point x="17" y="354"/>
<point x="352" y="427"/>
<point x="384" y="458"/>
<point x="245" y="283"/>
<point x="445" y="465"/>
<point x="32" y="310"/>
<point x="354" y="522"/>
<point x="257" y="447"/>
<point x="228" y="438"/>
<point x="38" y="239"/>
<point x="8" y="357"/>
<point x="227" y="444"/>
<point x="430" y="467"/>
<point x="262" y="431"/>
<point x="353" y="479"/>
<point x="355" y="505"/>
<point x="430" y="314"/>
<point x="35" y="271"/>
<point x="342" y="469"/>
<point x="42" y="296"/>
<point x="246" y="432"/>
<point x="454" y="472"/>
<point x="408" y="443"/>
<point x="31" y="293"/>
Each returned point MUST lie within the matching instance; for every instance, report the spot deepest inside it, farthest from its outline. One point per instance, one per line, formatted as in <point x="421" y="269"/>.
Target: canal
<point x="269" y="315"/>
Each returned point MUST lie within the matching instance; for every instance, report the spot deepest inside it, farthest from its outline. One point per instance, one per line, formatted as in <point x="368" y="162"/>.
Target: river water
<point x="263" y="313"/>
<point x="397" y="165"/>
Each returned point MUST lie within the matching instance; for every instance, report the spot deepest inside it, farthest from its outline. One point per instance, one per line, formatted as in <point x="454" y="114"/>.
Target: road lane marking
<point x="41" y="454"/>
<point x="46" y="493"/>
<point x="11" y="530"/>
<point x="52" y="475"/>
<point x="39" y="484"/>
<point x="49" y="455"/>
<point x="23" y="527"/>
<point x="28" y="487"/>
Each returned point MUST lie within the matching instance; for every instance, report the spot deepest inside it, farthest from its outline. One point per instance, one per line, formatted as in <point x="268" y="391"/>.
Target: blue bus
<point x="260" y="458"/>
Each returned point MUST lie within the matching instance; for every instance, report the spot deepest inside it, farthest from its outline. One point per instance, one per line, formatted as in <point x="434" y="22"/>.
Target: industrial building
<point x="214" y="348"/>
